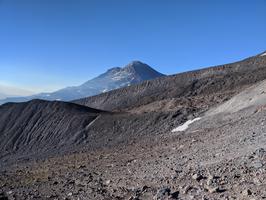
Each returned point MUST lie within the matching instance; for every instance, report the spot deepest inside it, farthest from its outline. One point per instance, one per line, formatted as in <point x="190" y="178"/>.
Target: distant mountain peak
<point x="114" y="69"/>
<point x="133" y="66"/>
<point x="133" y="73"/>
<point x="136" y="64"/>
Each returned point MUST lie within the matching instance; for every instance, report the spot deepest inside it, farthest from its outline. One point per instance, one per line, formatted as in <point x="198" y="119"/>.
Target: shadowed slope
<point x="42" y="125"/>
<point x="207" y="81"/>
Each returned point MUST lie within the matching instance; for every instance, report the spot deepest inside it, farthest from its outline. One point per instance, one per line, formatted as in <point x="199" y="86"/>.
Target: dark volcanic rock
<point x="38" y="127"/>
<point x="155" y="107"/>
<point x="133" y="154"/>
<point x="231" y="77"/>
<point x="3" y="196"/>
<point x="42" y="126"/>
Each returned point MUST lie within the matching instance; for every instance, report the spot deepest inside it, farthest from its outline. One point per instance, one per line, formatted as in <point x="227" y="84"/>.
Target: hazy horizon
<point x="48" y="45"/>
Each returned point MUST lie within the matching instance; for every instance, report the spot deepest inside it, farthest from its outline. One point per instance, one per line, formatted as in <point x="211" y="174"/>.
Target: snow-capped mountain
<point x="133" y="73"/>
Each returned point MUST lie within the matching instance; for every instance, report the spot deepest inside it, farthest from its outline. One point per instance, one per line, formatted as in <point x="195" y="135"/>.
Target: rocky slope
<point x="220" y="156"/>
<point x="133" y="73"/>
<point x="132" y="152"/>
<point x="254" y="96"/>
<point x="40" y="129"/>
<point x="40" y="126"/>
<point x="224" y="78"/>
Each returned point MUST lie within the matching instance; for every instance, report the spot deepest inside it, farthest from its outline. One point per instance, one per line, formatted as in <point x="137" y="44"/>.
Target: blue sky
<point x="49" y="44"/>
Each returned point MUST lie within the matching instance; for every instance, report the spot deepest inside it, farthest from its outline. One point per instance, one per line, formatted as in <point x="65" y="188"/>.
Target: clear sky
<point x="49" y="44"/>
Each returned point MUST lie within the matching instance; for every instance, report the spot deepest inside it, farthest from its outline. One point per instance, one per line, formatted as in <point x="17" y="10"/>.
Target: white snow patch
<point x="120" y="75"/>
<point x="264" y="54"/>
<point x="105" y="90"/>
<point x="185" y="125"/>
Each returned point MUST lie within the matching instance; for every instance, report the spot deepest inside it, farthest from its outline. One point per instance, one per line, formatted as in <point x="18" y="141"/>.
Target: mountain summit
<point x="114" y="78"/>
<point x="133" y="72"/>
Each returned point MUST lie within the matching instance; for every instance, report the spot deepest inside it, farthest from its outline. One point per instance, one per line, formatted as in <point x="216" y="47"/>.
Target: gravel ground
<point x="131" y="153"/>
<point x="221" y="156"/>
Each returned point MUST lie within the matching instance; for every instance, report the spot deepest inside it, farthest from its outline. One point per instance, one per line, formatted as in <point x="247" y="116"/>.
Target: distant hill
<point x="133" y="73"/>
<point x="53" y="147"/>
<point x="218" y="79"/>
<point x="151" y="108"/>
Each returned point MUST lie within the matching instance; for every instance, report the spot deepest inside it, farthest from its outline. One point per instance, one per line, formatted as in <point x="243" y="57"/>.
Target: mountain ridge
<point x="114" y="78"/>
<point x="54" y="146"/>
<point x="181" y="84"/>
<point x="155" y="106"/>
